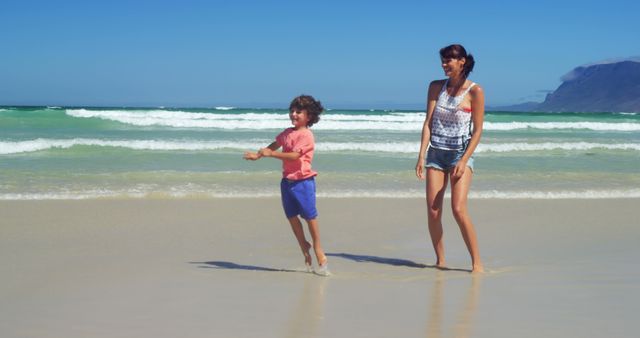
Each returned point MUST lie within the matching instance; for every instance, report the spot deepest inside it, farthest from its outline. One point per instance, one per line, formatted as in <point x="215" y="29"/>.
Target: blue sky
<point x="365" y="54"/>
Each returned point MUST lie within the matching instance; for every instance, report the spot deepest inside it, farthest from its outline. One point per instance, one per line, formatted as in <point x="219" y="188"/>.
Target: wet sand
<point x="231" y="268"/>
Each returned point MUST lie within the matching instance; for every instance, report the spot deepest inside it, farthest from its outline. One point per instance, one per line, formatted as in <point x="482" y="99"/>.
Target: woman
<point x="452" y="129"/>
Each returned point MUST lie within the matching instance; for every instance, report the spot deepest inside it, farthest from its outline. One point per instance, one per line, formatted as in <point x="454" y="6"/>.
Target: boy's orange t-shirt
<point x="300" y="141"/>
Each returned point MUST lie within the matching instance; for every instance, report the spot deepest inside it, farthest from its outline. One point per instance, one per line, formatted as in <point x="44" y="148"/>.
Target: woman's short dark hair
<point x="458" y="52"/>
<point x="313" y="107"/>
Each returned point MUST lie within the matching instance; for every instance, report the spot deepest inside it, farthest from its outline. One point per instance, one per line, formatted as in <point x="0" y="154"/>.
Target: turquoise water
<point x="79" y="152"/>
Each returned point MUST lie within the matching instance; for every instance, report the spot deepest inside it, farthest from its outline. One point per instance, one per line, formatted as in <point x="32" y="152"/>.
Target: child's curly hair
<point x="313" y="107"/>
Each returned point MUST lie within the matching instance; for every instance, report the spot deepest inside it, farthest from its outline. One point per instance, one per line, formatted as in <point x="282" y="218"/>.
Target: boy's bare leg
<point x="459" y="192"/>
<point x="296" y="226"/>
<point x="315" y="237"/>
<point x="436" y="186"/>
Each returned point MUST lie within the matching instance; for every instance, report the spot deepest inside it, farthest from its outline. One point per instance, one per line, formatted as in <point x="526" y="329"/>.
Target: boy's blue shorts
<point x="299" y="198"/>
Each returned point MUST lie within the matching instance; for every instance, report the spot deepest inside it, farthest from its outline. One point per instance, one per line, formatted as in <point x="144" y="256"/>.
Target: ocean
<point x="86" y="153"/>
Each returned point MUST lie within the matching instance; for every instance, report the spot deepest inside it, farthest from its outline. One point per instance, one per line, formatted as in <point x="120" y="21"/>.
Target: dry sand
<point x="231" y="268"/>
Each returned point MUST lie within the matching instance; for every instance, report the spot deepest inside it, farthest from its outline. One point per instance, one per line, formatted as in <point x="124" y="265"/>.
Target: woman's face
<point x="453" y="67"/>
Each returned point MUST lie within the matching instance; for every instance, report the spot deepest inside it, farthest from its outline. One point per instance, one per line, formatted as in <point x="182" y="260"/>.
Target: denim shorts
<point x="299" y="198"/>
<point x="446" y="160"/>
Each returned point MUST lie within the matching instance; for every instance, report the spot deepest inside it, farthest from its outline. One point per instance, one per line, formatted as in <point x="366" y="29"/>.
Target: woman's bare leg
<point x="459" y="193"/>
<point x="436" y="186"/>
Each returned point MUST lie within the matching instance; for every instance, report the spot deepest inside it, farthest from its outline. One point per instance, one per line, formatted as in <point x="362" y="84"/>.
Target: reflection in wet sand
<point x="308" y="313"/>
<point x="464" y="321"/>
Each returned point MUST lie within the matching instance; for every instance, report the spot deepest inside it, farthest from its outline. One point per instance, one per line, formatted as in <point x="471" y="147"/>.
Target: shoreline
<point x="473" y="196"/>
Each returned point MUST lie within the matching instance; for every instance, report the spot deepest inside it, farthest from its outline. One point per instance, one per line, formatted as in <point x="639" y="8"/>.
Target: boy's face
<point x="299" y="118"/>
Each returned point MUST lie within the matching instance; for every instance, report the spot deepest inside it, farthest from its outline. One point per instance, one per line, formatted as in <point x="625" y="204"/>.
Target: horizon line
<point x="399" y="106"/>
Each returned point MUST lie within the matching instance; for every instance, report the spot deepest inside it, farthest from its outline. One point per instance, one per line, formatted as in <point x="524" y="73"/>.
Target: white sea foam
<point x="413" y="147"/>
<point x="493" y="194"/>
<point x="383" y="147"/>
<point x="598" y="126"/>
<point x="582" y="146"/>
<point x="395" y="117"/>
<point x="391" y="147"/>
<point x="225" y="108"/>
<point x="44" y="144"/>
<point x="258" y="121"/>
<point x="181" y="194"/>
<point x="77" y="195"/>
<point x="566" y="194"/>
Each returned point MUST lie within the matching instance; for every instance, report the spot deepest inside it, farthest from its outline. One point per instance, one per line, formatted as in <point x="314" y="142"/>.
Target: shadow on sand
<point x="390" y="261"/>
<point x="234" y="266"/>
<point x="352" y="257"/>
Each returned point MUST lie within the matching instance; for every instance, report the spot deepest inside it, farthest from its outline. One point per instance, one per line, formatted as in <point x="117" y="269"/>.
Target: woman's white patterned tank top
<point x="450" y="125"/>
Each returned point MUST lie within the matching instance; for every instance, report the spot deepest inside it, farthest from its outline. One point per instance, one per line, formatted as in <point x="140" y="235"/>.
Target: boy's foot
<point x="307" y="257"/>
<point x="323" y="268"/>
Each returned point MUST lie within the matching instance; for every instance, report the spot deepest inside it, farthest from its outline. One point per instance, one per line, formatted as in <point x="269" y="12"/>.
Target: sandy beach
<point x="231" y="268"/>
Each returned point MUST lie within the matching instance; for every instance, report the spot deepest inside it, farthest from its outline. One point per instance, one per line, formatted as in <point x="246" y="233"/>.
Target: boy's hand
<point x="251" y="156"/>
<point x="266" y="152"/>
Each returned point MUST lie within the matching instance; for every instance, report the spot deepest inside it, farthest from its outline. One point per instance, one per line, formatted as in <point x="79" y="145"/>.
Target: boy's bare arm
<point x="251" y="156"/>
<point x="270" y="151"/>
<point x="291" y="156"/>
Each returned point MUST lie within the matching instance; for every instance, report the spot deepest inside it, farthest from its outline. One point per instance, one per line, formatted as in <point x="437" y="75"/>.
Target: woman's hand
<point x="420" y="168"/>
<point x="459" y="169"/>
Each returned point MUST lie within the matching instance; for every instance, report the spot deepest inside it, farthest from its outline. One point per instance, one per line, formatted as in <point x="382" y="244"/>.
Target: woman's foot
<point x="477" y="268"/>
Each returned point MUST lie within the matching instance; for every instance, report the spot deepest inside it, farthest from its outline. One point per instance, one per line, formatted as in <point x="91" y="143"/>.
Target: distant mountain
<point x="613" y="87"/>
<point x="605" y="87"/>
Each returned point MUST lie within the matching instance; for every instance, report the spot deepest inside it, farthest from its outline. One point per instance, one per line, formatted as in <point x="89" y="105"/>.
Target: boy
<point x="298" y="187"/>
